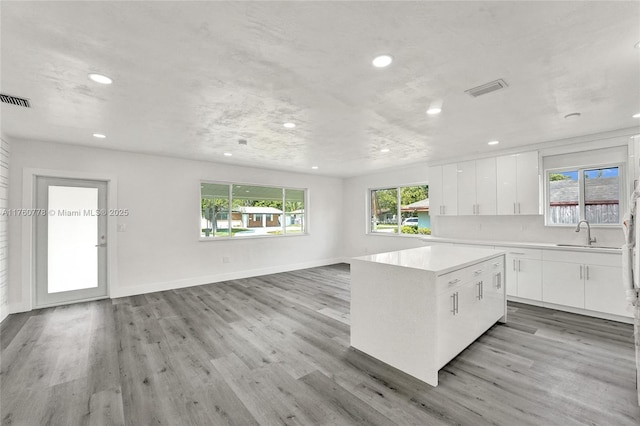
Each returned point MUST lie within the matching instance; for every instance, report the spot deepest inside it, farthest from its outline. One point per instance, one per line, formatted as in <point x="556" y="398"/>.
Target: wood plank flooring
<point x="274" y="350"/>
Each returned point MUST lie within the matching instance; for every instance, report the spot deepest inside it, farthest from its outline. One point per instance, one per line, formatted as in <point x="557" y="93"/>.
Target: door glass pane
<point x="215" y="220"/>
<point x="72" y="237"/>
<point x="602" y="195"/>
<point x="564" y="197"/>
<point x="294" y="210"/>
<point x="384" y="210"/>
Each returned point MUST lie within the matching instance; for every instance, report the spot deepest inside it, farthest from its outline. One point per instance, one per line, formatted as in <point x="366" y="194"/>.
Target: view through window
<point x="238" y="210"/>
<point x="400" y="210"/>
<point x="584" y="193"/>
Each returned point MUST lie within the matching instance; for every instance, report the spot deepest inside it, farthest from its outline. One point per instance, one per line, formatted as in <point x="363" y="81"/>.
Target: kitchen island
<point x="417" y="309"/>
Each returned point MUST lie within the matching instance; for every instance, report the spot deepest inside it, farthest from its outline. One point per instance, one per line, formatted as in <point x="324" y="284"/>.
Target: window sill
<point x="251" y="237"/>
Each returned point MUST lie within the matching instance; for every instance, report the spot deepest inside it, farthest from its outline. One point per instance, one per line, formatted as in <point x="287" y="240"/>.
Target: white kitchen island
<point x="417" y="309"/>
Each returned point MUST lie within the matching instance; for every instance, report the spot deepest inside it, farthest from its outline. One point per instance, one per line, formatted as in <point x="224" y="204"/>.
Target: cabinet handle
<point x="518" y="208"/>
<point x="519" y="266"/>
<point x="478" y="295"/>
<point x="457" y="311"/>
<point x="453" y="303"/>
<point x="514" y="265"/>
<point x="587" y="269"/>
<point x="499" y="280"/>
<point x="495" y="265"/>
<point x="452" y="282"/>
<point x="580" y="271"/>
<point x="482" y="289"/>
<point x="514" y="208"/>
<point x="477" y="272"/>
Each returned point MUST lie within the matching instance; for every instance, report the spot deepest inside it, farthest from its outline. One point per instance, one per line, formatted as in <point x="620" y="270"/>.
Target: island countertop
<point x="436" y="259"/>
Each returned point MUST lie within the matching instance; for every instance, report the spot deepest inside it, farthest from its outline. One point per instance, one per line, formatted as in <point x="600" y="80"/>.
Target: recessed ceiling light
<point x="99" y="135"/>
<point x="636" y="115"/>
<point x="384" y="150"/>
<point x="434" y="111"/>
<point x="382" y="61"/>
<point x="493" y="142"/>
<point x="228" y="154"/>
<point x="99" y="78"/>
<point x="573" y="115"/>
<point x="289" y="125"/>
<point x="314" y="167"/>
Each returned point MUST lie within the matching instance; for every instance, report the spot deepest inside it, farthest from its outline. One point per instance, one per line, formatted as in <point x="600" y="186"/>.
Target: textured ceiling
<point x="191" y="78"/>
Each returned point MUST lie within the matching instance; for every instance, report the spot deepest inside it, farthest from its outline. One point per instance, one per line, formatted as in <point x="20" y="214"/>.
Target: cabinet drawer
<point x="523" y="253"/>
<point x="454" y="279"/>
<point x="603" y="259"/>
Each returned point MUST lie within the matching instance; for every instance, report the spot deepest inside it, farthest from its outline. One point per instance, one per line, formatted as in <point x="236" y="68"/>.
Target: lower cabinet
<point x="584" y="280"/>
<point x="524" y="272"/>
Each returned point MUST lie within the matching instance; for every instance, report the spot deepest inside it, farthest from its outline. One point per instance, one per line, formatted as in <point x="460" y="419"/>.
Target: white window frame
<point x="622" y="199"/>
<point x="305" y="215"/>
<point x="369" y="213"/>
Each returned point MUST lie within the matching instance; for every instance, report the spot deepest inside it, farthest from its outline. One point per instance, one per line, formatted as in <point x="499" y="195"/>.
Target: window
<point x="400" y="210"/>
<point x="238" y="210"/>
<point x="589" y="193"/>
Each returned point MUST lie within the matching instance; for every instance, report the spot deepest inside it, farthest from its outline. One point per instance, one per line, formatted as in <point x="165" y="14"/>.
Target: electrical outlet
<point x="226" y="259"/>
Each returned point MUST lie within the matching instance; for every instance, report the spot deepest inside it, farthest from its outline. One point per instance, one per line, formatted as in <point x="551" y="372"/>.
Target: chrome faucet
<point x="589" y="239"/>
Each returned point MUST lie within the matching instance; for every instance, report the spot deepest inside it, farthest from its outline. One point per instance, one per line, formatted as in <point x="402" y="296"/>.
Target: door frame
<point x="28" y="239"/>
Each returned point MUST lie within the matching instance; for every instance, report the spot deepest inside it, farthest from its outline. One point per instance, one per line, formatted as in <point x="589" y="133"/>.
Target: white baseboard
<point x="209" y="279"/>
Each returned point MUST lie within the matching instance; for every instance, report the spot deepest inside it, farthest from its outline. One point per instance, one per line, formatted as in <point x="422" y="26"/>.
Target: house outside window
<point x="400" y="210"/>
<point x="237" y="210"/>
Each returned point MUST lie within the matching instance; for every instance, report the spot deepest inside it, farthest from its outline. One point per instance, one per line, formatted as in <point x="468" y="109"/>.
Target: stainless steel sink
<point x="584" y="246"/>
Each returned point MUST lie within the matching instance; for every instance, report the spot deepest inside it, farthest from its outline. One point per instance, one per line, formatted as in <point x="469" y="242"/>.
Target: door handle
<point x="580" y="271"/>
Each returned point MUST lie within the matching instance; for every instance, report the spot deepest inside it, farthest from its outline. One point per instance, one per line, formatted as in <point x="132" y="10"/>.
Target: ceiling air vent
<point x="487" y="88"/>
<point x="13" y="100"/>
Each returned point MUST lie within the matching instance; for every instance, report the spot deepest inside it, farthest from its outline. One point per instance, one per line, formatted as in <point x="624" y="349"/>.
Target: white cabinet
<point x="584" y="280"/>
<point x="518" y="184"/>
<point x="477" y="187"/>
<point x="563" y="283"/>
<point x="416" y="309"/>
<point x="524" y="272"/>
<point x="443" y="190"/>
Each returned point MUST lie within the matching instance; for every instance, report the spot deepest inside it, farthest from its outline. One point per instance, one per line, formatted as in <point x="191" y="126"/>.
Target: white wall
<point x="160" y="249"/>
<point x="4" y="240"/>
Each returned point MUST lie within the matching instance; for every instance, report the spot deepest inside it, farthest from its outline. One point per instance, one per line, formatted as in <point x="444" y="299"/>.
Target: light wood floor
<point x="275" y="350"/>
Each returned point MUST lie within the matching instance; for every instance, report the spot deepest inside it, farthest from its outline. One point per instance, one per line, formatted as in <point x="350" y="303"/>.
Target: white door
<point x="486" y="186"/>
<point x="71" y="241"/>
<point x="466" y="188"/>
<point x="528" y="183"/>
<point x="435" y="190"/>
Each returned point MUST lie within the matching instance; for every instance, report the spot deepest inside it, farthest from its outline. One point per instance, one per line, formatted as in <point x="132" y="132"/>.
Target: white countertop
<point x="546" y="246"/>
<point x="437" y="259"/>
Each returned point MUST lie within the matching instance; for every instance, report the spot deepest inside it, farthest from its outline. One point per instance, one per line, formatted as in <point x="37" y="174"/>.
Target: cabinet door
<point x="563" y="283"/>
<point x="450" y="189"/>
<point x="528" y="183"/>
<point x="529" y="278"/>
<point x="511" y="269"/>
<point x="485" y="186"/>
<point x="449" y="324"/>
<point x="506" y="177"/>
<point x="435" y="190"/>
<point x="603" y="290"/>
<point x="466" y="188"/>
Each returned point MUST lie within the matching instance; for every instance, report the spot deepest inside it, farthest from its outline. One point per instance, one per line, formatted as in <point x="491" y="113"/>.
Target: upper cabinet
<point x="443" y="190"/>
<point x="477" y="187"/>
<point x="518" y="184"/>
<point x="504" y="185"/>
